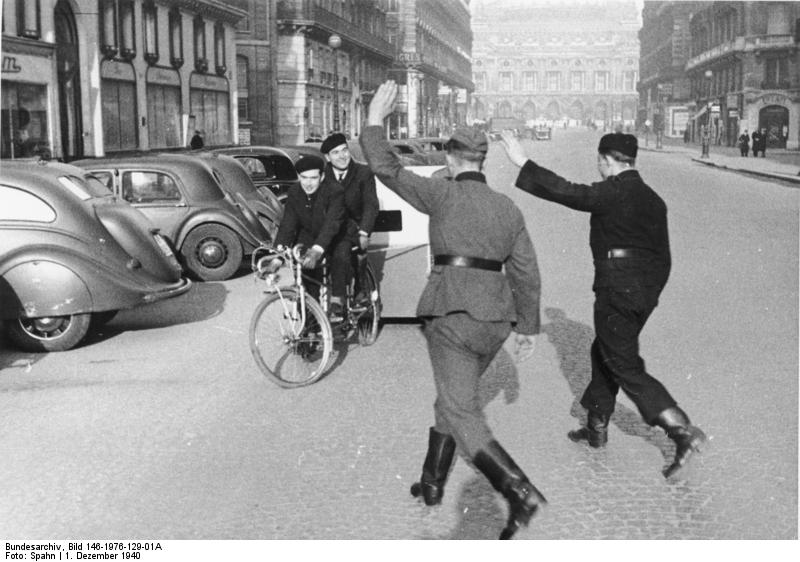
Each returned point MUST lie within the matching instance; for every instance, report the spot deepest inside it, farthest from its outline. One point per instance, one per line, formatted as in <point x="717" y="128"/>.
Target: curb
<point x="783" y="177"/>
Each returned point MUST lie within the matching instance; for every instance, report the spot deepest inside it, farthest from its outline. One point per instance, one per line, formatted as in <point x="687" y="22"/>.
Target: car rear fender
<point x="205" y="217"/>
<point x="43" y="288"/>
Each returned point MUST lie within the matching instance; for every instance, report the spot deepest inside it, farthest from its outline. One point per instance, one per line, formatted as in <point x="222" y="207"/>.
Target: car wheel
<point x="51" y="333"/>
<point x="212" y="252"/>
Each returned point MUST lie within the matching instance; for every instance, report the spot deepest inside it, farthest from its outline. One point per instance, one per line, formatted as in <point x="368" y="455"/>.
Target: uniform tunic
<point x="468" y="311"/>
<point x="626" y="214"/>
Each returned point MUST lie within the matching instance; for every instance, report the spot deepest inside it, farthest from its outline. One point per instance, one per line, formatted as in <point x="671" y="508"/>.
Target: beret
<point x="470" y="138"/>
<point x="334" y="140"/>
<point x="307" y="163"/>
<point x="621" y="142"/>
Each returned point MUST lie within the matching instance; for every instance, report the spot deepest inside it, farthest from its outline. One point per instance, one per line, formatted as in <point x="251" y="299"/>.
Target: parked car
<point x="72" y="253"/>
<point x="183" y="197"/>
<point x="406" y="158"/>
<point x="233" y="177"/>
<point x="543" y="133"/>
<point x="269" y="167"/>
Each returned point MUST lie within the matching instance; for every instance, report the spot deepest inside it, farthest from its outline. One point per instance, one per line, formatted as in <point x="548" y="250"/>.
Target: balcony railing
<point x="309" y="14"/>
<point x="742" y="45"/>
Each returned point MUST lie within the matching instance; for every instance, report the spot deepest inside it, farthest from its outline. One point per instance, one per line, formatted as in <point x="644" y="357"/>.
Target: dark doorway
<point x="69" y="92"/>
<point x="775" y="119"/>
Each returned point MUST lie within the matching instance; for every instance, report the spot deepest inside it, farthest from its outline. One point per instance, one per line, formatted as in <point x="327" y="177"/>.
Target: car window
<point x="283" y="167"/>
<point x="19" y="205"/>
<point x="105" y="177"/>
<point x="403" y="149"/>
<point x="149" y="187"/>
<point x="252" y="165"/>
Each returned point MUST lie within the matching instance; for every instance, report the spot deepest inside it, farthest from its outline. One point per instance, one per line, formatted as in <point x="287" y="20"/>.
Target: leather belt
<point x="628" y="253"/>
<point x="462" y="261"/>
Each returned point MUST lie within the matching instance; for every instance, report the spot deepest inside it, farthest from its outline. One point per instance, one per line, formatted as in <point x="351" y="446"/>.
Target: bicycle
<point x="291" y="337"/>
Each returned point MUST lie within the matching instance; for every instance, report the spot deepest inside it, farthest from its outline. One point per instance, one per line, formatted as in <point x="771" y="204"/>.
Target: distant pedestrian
<point x="744" y="143"/>
<point x="759" y="142"/>
<point x="686" y="135"/>
<point x="630" y="245"/>
<point x="197" y="141"/>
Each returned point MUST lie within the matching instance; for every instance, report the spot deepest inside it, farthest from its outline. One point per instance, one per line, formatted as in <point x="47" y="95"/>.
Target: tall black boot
<point x="441" y="448"/>
<point x="524" y="500"/>
<point x="688" y="438"/>
<point x="595" y="432"/>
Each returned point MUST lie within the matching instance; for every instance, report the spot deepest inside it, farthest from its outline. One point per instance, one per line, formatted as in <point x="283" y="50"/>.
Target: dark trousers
<point x="461" y="349"/>
<point x="619" y="316"/>
<point x="339" y="266"/>
<point x="346" y="257"/>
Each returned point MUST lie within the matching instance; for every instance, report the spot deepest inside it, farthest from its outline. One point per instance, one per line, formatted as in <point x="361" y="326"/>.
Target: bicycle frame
<point x="291" y="256"/>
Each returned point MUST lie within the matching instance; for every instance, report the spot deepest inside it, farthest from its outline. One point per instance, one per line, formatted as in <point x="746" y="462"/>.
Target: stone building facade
<point x="324" y="84"/>
<point x="665" y="95"/>
<point x="433" y="65"/>
<point x="728" y="66"/>
<point x="563" y="62"/>
<point x="256" y="38"/>
<point x="744" y="70"/>
<point x="91" y="77"/>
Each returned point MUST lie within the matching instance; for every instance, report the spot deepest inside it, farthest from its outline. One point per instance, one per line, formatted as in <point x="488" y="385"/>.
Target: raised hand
<point x="513" y="148"/>
<point x="382" y="103"/>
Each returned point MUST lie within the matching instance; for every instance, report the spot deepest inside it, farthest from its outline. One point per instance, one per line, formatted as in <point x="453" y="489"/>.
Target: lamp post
<point x="334" y="42"/>
<point x="705" y="134"/>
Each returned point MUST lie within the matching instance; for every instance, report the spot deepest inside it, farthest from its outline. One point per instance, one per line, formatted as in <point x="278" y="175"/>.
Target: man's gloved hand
<point x="363" y="241"/>
<point x="312" y="258"/>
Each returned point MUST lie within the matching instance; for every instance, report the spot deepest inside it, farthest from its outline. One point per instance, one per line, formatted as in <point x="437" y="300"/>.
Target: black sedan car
<point x="271" y="168"/>
<point x="70" y="253"/>
<point x="182" y="195"/>
<point x="233" y="177"/>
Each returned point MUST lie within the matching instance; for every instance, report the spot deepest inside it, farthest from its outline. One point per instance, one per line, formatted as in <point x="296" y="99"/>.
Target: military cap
<point x="470" y="138"/>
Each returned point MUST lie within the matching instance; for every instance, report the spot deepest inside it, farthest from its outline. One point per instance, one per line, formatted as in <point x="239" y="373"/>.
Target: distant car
<point x="269" y="167"/>
<point x="543" y="133"/>
<point x="71" y="254"/>
<point x="183" y="196"/>
<point x="234" y="178"/>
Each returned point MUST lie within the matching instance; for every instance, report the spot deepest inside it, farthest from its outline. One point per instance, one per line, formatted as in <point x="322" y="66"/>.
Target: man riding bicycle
<point x="314" y="216"/>
<point x="361" y="206"/>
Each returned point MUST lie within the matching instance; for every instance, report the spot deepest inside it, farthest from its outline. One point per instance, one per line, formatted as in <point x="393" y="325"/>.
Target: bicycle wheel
<point x="288" y="351"/>
<point x="369" y="320"/>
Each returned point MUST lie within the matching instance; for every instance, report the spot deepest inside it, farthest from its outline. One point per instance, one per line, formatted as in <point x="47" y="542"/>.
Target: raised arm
<point x="421" y="193"/>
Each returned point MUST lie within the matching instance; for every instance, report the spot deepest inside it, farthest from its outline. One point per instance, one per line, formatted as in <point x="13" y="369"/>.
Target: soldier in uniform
<point x="361" y="204"/>
<point x="469" y="305"/>
<point x="630" y="245"/>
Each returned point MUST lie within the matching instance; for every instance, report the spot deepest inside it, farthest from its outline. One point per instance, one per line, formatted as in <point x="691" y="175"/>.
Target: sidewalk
<point x="778" y="164"/>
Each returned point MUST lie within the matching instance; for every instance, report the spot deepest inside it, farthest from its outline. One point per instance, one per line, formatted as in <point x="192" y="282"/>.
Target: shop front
<point x="28" y="75"/>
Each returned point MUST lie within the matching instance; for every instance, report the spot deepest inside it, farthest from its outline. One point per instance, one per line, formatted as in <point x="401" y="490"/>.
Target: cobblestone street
<point x="162" y="427"/>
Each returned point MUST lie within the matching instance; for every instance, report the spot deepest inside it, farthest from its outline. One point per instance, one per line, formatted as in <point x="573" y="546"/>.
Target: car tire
<point x="54" y="333"/>
<point x="212" y="252"/>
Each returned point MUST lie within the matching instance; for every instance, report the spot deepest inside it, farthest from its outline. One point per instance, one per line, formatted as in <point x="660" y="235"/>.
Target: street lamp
<point x="334" y="42"/>
<point x="705" y="134"/>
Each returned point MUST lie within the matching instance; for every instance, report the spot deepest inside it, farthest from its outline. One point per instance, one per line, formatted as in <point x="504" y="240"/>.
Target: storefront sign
<point x="27" y="67"/>
<point x="116" y="70"/>
<point x="244" y="137"/>
<point x="165" y="76"/>
<point x="10" y="64"/>
<point x="775" y="98"/>
<point x="208" y="82"/>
